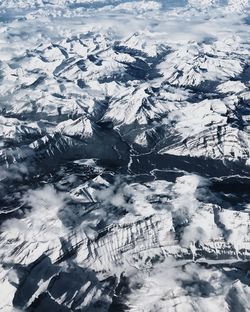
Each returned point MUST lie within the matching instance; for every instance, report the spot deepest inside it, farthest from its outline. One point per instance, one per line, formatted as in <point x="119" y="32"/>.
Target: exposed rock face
<point x="124" y="156"/>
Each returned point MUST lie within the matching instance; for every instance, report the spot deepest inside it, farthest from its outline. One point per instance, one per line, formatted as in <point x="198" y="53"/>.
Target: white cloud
<point x="38" y="229"/>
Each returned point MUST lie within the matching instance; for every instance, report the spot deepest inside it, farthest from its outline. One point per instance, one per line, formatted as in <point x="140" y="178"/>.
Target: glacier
<point x="124" y="155"/>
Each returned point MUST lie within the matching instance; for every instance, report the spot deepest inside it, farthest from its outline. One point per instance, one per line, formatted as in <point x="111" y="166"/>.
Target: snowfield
<point x="124" y="155"/>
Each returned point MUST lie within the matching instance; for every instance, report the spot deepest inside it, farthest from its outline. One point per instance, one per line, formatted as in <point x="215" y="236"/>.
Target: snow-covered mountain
<point x="124" y="154"/>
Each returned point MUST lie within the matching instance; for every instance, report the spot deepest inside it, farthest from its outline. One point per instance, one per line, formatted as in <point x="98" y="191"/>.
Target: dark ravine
<point x="124" y="156"/>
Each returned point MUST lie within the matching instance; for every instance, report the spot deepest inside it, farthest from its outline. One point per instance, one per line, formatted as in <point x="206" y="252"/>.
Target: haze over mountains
<point x="124" y="154"/>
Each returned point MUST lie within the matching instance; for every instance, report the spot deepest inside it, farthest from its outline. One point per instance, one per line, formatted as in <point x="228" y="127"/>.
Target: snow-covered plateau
<point x="124" y="155"/>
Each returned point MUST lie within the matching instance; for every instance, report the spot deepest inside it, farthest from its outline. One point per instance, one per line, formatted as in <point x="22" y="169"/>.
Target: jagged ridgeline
<point x="124" y="155"/>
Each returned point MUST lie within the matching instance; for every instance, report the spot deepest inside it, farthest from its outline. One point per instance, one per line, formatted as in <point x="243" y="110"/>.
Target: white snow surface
<point x="124" y="155"/>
